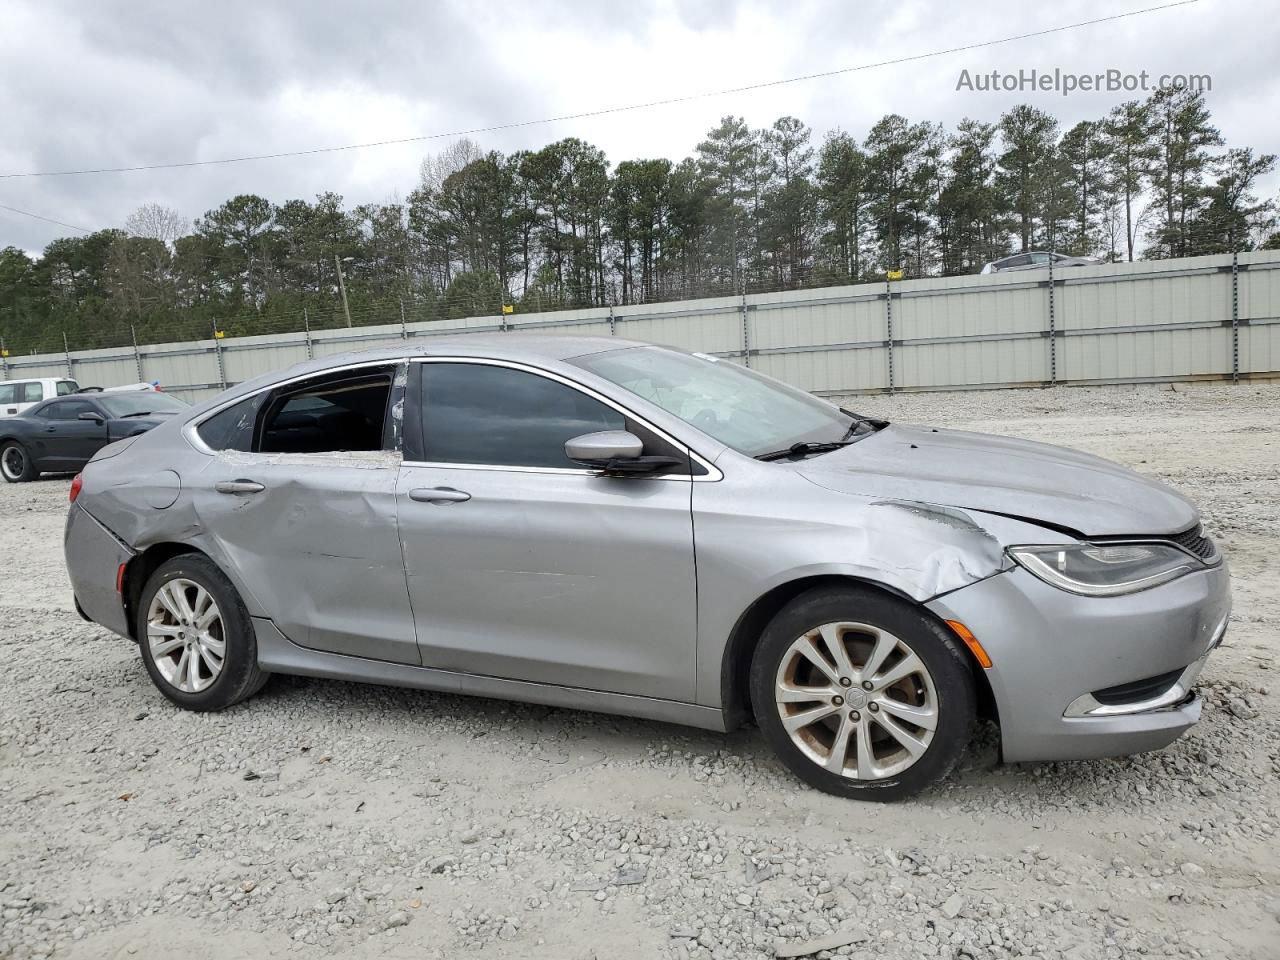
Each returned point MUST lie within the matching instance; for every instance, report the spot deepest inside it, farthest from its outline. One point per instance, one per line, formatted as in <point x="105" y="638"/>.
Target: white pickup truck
<point x="17" y="395"/>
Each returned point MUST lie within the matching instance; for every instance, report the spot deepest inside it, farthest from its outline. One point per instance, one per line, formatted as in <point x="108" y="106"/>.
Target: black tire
<point x="944" y="658"/>
<point x="240" y="677"/>
<point x="26" y="470"/>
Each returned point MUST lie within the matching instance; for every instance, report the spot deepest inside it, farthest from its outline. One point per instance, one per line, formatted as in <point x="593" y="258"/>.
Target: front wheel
<point x="862" y="695"/>
<point x="196" y="637"/>
<point x="15" y="463"/>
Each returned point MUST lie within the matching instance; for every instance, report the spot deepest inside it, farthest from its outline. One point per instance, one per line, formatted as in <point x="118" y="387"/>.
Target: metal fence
<point x="1215" y="317"/>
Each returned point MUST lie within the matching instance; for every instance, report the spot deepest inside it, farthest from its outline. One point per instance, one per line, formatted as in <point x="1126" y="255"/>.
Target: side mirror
<point x="596" y="448"/>
<point x="615" y="451"/>
<point x="95" y="417"/>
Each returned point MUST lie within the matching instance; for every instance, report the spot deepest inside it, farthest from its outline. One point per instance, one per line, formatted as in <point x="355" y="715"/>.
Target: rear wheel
<point x="861" y="695"/>
<point x="15" y="463"/>
<point x="196" y="637"/>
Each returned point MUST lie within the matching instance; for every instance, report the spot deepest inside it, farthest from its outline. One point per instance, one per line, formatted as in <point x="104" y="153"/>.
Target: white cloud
<point x="110" y="85"/>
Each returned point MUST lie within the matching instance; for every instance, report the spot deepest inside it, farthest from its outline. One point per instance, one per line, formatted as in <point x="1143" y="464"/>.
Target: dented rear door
<point x="317" y="544"/>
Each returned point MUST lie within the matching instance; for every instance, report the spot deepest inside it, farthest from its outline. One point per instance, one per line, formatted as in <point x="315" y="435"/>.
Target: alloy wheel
<point x="14" y="462"/>
<point x="186" y="635"/>
<point x="856" y="700"/>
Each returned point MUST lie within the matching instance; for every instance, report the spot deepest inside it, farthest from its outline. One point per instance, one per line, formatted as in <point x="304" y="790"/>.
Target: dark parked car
<point x="60" y="435"/>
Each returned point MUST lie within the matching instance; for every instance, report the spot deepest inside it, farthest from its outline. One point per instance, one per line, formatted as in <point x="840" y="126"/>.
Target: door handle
<point x="438" y="495"/>
<point x="238" y="486"/>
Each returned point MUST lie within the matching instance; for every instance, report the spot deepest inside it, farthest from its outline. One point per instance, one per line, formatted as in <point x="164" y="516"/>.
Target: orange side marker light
<point x="970" y="641"/>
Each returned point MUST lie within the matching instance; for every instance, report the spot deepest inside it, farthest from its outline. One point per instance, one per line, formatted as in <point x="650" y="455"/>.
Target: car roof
<point x="536" y="349"/>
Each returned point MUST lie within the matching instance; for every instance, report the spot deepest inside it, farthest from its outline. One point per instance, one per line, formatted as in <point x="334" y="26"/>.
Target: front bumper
<point x="1052" y="650"/>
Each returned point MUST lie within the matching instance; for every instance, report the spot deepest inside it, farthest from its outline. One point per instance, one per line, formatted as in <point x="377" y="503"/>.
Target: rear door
<point x="524" y="565"/>
<point x="9" y="399"/>
<point x="300" y="496"/>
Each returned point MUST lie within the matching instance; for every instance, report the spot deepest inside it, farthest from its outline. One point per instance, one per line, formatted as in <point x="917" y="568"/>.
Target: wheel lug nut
<point x="867" y="684"/>
<point x="845" y="682"/>
<point x="837" y="701"/>
<point x="873" y="707"/>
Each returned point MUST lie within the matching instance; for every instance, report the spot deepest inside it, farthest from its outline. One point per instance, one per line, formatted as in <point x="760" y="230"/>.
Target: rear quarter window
<point x="233" y="428"/>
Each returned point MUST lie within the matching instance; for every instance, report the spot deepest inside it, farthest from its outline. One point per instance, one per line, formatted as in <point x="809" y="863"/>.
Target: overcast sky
<point x="92" y="84"/>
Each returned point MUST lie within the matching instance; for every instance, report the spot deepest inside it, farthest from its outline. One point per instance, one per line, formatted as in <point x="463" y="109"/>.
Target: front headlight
<point x="1105" y="570"/>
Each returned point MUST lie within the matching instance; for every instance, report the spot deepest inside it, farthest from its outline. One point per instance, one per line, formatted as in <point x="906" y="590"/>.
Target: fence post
<point x="888" y="323"/>
<point x="217" y="350"/>
<point x="4" y="358"/>
<point x="404" y="330"/>
<point x="137" y="356"/>
<point x="746" y="328"/>
<point x="1235" y="314"/>
<point x="306" y="328"/>
<point x="1053" y="333"/>
<point x="67" y="350"/>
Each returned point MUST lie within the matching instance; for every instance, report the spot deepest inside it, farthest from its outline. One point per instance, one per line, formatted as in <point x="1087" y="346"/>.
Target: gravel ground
<point x="340" y="819"/>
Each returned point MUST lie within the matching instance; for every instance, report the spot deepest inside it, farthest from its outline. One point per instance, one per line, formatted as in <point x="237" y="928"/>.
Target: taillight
<point x="76" y="484"/>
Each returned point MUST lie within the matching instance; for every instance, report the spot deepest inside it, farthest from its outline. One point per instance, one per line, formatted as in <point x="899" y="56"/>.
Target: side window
<point x="66" y="409"/>
<point x="1019" y="261"/>
<point x="233" y="428"/>
<point x="32" y="393"/>
<point x="339" y="412"/>
<point x="1039" y="258"/>
<point x="498" y="416"/>
<point x="8" y="393"/>
<point x="66" y="387"/>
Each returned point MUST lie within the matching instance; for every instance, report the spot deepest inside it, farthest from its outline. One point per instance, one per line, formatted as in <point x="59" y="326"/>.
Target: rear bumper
<point x="94" y="555"/>
<point x="1051" y="650"/>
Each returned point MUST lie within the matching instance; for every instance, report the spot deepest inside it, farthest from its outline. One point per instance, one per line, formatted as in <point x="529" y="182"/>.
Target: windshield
<point x="741" y="409"/>
<point x="133" y="404"/>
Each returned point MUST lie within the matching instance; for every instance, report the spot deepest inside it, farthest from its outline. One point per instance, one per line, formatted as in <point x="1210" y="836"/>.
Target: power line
<point x="668" y="101"/>
<point x="36" y="216"/>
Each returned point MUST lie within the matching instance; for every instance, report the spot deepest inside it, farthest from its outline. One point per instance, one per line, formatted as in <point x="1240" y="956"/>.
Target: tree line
<point x="751" y="209"/>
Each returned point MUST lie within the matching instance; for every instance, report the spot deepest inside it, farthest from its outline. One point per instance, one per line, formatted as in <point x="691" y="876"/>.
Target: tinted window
<point x="140" y="403"/>
<point x="341" y="412"/>
<point x="8" y="393"/>
<point x="1039" y="258"/>
<point x="474" y="413"/>
<point x="233" y="428"/>
<point x="31" y="392"/>
<point x="1019" y="261"/>
<point x="66" y="409"/>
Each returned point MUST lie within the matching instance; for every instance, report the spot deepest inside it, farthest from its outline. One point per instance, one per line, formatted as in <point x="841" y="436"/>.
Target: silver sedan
<point x="612" y="526"/>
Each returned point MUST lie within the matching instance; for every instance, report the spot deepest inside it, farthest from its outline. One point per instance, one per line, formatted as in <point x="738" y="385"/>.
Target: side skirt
<point x="277" y="654"/>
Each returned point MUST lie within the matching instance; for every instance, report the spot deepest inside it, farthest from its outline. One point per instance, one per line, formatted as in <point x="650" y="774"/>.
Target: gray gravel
<point x="348" y="820"/>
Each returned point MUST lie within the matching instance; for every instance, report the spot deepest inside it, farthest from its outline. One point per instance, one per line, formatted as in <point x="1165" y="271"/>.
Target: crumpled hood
<point x="1018" y="478"/>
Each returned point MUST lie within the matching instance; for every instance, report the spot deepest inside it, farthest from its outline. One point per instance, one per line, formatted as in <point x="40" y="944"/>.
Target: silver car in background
<point x="1036" y="260"/>
<point x="612" y="526"/>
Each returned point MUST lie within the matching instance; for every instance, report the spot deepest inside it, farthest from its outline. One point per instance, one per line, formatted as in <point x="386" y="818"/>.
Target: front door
<point x="300" y="495"/>
<point x="65" y="441"/>
<point x="524" y="565"/>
